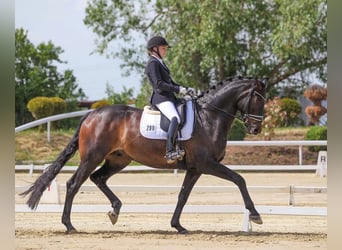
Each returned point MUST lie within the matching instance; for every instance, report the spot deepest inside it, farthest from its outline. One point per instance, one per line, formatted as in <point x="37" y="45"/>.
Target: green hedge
<point x="293" y="109"/>
<point x="237" y="131"/>
<point x="41" y="106"/>
<point x="100" y="104"/>
<point x="317" y="133"/>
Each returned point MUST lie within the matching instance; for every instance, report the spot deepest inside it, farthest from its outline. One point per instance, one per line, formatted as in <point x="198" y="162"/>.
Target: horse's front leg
<point x="219" y="170"/>
<point x="190" y="179"/>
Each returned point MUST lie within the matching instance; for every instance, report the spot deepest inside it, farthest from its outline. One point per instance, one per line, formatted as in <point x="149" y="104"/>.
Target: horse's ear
<point x="261" y="84"/>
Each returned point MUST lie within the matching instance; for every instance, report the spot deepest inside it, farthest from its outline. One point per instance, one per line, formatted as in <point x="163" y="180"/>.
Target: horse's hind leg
<point x="73" y="185"/>
<point x="115" y="164"/>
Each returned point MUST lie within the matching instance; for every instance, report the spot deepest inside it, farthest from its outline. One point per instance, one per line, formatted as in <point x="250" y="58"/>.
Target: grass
<point x="32" y="147"/>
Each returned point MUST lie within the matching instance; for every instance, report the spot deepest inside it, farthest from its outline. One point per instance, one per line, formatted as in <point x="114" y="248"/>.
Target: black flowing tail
<point x="44" y="180"/>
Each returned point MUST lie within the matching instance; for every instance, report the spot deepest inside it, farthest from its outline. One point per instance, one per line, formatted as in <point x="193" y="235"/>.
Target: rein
<point x="226" y="114"/>
<point x="246" y="116"/>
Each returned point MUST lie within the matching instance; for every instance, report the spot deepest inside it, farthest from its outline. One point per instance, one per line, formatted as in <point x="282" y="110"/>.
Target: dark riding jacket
<point x="163" y="86"/>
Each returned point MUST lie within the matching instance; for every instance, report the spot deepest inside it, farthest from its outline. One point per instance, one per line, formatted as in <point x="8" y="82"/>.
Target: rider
<point x="163" y="96"/>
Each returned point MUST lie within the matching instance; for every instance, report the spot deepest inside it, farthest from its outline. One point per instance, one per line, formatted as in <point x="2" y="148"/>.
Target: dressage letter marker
<point x="322" y="164"/>
<point x="51" y="194"/>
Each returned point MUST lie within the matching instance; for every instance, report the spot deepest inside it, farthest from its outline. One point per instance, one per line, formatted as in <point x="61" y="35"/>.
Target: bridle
<point x="246" y="116"/>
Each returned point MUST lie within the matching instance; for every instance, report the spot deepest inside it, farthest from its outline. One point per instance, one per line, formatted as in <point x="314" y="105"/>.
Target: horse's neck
<point x="216" y="123"/>
<point x="219" y="122"/>
<point x="218" y="114"/>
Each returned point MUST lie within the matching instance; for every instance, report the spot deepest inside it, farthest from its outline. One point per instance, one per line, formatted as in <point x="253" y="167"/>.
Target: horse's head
<point x="245" y="95"/>
<point x="251" y="105"/>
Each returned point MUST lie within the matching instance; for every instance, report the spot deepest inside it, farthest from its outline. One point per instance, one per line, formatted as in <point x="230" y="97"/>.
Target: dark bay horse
<point x="111" y="134"/>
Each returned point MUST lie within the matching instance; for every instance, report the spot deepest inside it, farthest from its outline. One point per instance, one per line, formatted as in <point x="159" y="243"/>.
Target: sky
<point x="61" y="22"/>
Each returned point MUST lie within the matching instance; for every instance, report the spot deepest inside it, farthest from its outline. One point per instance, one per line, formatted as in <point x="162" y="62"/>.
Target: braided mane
<point x="214" y="88"/>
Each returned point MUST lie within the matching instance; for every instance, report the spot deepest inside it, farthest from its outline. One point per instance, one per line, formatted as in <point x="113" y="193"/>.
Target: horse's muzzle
<point x="254" y="129"/>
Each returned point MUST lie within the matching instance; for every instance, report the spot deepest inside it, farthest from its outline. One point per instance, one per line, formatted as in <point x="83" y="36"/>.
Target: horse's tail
<point x="44" y="180"/>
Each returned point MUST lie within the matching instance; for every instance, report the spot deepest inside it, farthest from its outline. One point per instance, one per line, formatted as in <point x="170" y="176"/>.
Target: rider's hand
<point x="191" y="91"/>
<point x="183" y="90"/>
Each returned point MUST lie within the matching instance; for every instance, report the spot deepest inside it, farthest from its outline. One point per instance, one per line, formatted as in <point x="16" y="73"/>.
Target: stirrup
<point x="172" y="156"/>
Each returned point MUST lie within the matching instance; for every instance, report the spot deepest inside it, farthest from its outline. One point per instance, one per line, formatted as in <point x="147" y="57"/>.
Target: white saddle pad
<point x="150" y="124"/>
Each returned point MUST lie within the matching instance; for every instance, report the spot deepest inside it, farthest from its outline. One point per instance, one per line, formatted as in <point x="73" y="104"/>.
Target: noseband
<point x="247" y="115"/>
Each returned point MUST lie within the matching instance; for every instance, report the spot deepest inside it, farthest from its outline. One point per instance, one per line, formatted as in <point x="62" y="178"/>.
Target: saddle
<point x="154" y="125"/>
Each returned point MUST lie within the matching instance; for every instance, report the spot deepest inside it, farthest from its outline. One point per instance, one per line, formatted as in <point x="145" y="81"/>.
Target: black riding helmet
<point x="156" y="41"/>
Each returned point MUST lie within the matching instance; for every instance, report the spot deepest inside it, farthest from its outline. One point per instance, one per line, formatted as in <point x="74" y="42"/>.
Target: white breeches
<point x="169" y="110"/>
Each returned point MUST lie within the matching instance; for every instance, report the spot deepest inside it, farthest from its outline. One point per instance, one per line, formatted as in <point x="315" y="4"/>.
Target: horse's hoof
<point x="181" y="230"/>
<point x="113" y="217"/>
<point x="256" y="219"/>
<point x="71" y="231"/>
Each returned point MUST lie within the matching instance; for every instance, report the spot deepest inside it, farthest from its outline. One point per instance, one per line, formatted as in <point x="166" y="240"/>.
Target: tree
<point x="36" y="75"/>
<point x="282" y="39"/>
<point x="126" y="96"/>
<point x="144" y="95"/>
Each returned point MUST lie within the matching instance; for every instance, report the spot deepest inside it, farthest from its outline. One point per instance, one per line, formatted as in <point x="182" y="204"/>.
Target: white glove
<point x="183" y="91"/>
<point x="191" y="91"/>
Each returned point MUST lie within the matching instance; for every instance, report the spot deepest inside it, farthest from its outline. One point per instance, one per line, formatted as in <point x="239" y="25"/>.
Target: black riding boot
<point x="172" y="155"/>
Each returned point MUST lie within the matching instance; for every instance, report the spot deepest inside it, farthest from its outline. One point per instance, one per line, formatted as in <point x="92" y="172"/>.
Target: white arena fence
<point x="291" y="190"/>
<point x="50" y="119"/>
<point x="52" y="196"/>
<point x="192" y="209"/>
<point x="320" y="168"/>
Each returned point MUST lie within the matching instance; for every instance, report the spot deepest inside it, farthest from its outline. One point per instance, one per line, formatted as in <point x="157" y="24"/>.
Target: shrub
<point x="41" y="107"/>
<point x="314" y="113"/>
<point x="237" y="131"/>
<point x="292" y="109"/>
<point x="100" y="104"/>
<point x="274" y="117"/>
<point x="58" y="105"/>
<point x="317" y="133"/>
<point x="316" y="94"/>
